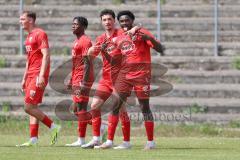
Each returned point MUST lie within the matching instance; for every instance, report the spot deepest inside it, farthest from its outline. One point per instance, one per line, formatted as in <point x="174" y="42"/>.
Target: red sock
<point x="125" y="121"/>
<point x="149" y="125"/>
<point x="96" y="122"/>
<point x="47" y="121"/>
<point x="112" y="125"/>
<point x="33" y="130"/>
<point x="82" y="126"/>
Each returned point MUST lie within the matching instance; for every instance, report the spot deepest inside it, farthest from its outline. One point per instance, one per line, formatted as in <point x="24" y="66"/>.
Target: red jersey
<point x="110" y="70"/>
<point x="35" y="41"/>
<point x="79" y="50"/>
<point x="136" y="54"/>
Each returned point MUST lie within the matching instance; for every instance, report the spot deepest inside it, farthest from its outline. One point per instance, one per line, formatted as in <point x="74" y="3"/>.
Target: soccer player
<point x="111" y="66"/>
<point x="136" y="70"/>
<point x="35" y="78"/>
<point x="82" y="74"/>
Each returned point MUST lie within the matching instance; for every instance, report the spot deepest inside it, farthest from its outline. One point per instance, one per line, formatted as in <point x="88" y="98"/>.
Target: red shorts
<point x="141" y="86"/>
<point x="33" y="94"/>
<point x="104" y="90"/>
<point x="84" y="93"/>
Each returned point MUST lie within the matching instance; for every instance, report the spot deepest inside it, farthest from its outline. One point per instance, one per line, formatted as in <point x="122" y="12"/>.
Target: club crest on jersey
<point x="44" y="43"/>
<point x="145" y="89"/>
<point x="75" y="45"/>
<point x="30" y="39"/>
<point x="73" y="53"/>
<point x="32" y="93"/>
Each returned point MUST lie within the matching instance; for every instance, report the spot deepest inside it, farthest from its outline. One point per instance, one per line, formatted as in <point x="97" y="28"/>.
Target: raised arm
<point x="156" y="44"/>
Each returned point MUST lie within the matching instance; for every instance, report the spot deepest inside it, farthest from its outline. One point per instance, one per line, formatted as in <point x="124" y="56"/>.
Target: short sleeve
<point x="98" y="41"/>
<point x="42" y="40"/>
<point x="145" y="31"/>
<point x="85" y="46"/>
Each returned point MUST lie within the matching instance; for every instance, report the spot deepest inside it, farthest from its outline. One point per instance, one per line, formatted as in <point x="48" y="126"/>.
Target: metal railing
<point x="20" y="29"/>
<point x="158" y="25"/>
<point x="215" y="24"/>
<point x="215" y="27"/>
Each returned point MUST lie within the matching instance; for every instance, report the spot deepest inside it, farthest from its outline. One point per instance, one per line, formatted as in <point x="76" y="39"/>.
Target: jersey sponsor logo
<point x="110" y="48"/>
<point x="28" y="48"/>
<point x="126" y="46"/>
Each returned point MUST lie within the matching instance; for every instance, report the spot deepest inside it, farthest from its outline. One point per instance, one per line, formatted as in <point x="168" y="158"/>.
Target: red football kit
<point x="35" y="41"/>
<point x="136" y="65"/>
<point x="79" y="50"/>
<point x="111" y="64"/>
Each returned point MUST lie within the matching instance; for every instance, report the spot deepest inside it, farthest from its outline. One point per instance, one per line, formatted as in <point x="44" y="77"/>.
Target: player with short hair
<point x="82" y="75"/>
<point x="111" y="66"/>
<point x="35" y="78"/>
<point x="135" y="71"/>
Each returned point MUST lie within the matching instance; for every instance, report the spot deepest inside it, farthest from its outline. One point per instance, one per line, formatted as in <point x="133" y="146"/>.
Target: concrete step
<point x="168" y="23"/>
<point x="213" y="118"/>
<point x="173" y="76"/>
<point x="107" y="2"/>
<point x="14" y="89"/>
<point x="184" y="62"/>
<point x="158" y="104"/>
<point x="198" y="2"/>
<point x="195" y="63"/>
<point x="128" y="2"/>
<point x="49" y="2"/>
<point x="172" y="48"/>
<point x="179" y="90"/>
<point x="200" y="77"/>
<point x="166" y="36"/>
<point x="9" y="2"/>
<point x="205" y="91"/>
<point x="140" y="10"/>
<point x="159" y="117"/>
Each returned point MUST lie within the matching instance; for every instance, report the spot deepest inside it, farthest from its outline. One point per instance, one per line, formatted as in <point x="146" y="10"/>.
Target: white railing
<point x="158" y="25"/>
<point x="215" y="24"/>
<point x="20" y="28"/>
<point x="216" y="28"/>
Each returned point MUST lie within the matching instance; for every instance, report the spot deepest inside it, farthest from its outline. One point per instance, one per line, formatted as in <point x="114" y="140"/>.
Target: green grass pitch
<point x="168" y="148"/>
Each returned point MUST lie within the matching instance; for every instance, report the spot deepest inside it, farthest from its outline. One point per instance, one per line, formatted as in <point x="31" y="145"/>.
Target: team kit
<point x="126" y="57"/>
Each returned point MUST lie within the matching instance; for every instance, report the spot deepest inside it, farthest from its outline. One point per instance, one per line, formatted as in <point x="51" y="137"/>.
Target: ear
<point x="31" y="21"/>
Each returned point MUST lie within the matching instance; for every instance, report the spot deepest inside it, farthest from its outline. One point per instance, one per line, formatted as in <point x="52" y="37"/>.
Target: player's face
<point x="24" y="21"/>
<point x="108" y="22"/>
<point x="125" y="22"/>
<point x="76" y="27"/>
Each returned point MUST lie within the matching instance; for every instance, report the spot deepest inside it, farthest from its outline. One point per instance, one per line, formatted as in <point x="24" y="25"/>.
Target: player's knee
<point x="96" y="104"/>
<point x="27" y="109"/>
